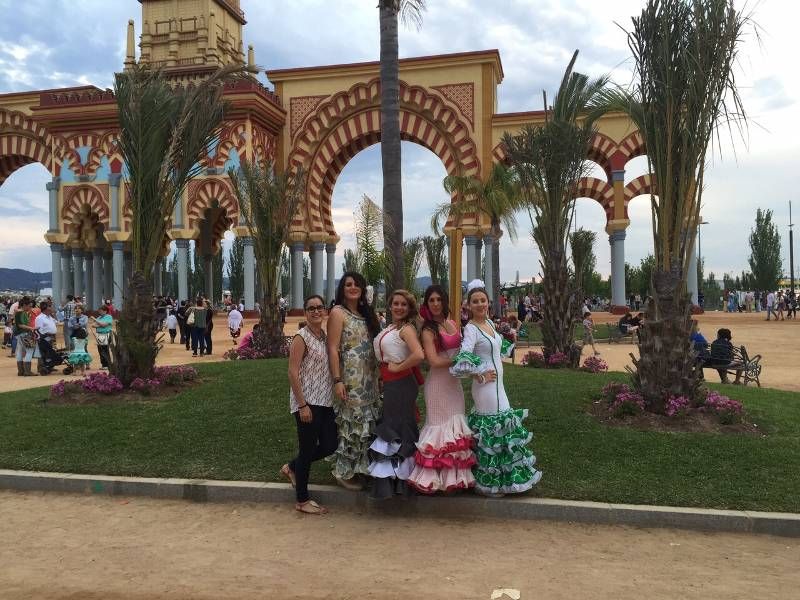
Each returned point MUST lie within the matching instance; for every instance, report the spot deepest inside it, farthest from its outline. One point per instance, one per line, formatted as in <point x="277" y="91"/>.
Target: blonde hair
<point x="413" y="310"/>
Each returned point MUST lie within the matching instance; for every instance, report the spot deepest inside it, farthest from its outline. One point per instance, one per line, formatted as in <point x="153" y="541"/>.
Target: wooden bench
<point x="615" y="336"/>
<point x="750" y="366"/>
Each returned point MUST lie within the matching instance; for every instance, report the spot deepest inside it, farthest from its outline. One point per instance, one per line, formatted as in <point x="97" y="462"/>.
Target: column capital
<point x="488" y="238"/>
<point x="247" y="240"/>
<point x="180" y="243"/>
<point x="115" y="179"/>
<point x="618" y="235"/>
<point x="618" y="175"/>
<point x="54" y="184"/>
<point x="118" y="246"/>
<point x="330" y="248"/>
<point x="77" y="253"/>
<point x="56" y="247"/>
<point x="98" y="252"/>
<point x="318" y="246"/>
<point x="298" y="246"/>
<point x="471" y="240"/>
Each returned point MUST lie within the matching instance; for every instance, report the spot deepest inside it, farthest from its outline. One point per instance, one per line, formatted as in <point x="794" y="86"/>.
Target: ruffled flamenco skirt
<point x="444" y="457"/>
<point x="77" y="358"/>
<point x="355" y="425"/>
<point x="505" y="465"/>
<point x="392" y="452"/>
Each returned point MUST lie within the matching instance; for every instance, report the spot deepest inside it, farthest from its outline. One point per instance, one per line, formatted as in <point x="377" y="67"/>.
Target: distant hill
<point x="21" y="280"/>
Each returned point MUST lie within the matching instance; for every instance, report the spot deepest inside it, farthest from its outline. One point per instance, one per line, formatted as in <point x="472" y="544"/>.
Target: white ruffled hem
<point x="516" y="488"/>
<point x="385" y="468"/>
<point x="436" y="437"/>
<point x="386" y="448"/>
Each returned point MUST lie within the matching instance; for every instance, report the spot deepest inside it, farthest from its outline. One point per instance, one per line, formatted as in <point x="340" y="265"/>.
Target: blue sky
<point x="535" y="39"/>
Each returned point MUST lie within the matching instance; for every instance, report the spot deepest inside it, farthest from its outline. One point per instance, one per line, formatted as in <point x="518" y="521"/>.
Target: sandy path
<point x="64" y="546"/>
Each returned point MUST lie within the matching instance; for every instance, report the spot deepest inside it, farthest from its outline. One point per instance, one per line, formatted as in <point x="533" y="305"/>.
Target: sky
<point x="535" y="38"/>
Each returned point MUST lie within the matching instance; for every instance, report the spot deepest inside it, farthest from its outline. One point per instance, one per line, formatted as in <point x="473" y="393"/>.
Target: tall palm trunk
<point x="390" y="144"/>
<point x="134" y="347"/>
<point x="558" y="311"/>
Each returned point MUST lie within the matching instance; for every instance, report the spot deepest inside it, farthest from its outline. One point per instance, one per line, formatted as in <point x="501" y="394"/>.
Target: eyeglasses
<point x="315" y="308"/>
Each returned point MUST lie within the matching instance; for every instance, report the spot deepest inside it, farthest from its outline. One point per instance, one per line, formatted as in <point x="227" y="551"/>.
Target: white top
<point x="172" y="321"/>
<point x="235" y="319"/>
<point x="770" y="299"/>
<point x="45" y="324"/>
<point x="390" y="347"/>
<point x="316" y="380"/>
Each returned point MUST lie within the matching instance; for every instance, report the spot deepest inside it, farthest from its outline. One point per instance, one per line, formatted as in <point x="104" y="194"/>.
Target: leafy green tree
<point x="236" y="269"/>
<point x="765" y="252"/>
<point x="352" y="262"/>
<point x="436" y="257"/>
<point x="583" y="259"/>
<point x="549" y="160"/>
<point x="163" y="133"/>
<point x="390" y="11"/>
<point x="413" y="251"/>
<point x="197" y="281"/>
<point x="369" y="224"/>
<point x="684" y="53"/>
<point x="712" y="292"/>
<point x="268" y="199"/>
<point x="217" y="266"/>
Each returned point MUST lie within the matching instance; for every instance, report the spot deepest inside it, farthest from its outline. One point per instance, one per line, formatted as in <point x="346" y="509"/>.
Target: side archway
<point x="22" y="142"/>
<point x="210" y="193"/>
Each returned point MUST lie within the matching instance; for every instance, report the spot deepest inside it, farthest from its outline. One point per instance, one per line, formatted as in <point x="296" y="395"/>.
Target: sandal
<point x="289" y="474"/>
<point x="310" y="507"/>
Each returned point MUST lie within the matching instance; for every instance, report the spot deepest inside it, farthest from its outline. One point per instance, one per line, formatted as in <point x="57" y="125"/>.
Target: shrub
<point x="557" y="360"/>
<point x="728" y="411"/>
<point x="533" y="359"/>
<point x="610" y="390"/>
<point x="678" y="406"/>
<point x="246" y="353"/>
<point x="145" y="387"/>
<point x="101" y="383"/>
<point x="175" y="375"/>
<point x="627" y="403"/>
<point x="594" y="364"/>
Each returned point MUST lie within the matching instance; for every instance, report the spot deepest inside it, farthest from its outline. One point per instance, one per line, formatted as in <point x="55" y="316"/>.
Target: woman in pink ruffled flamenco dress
<point x="444" y="456"/>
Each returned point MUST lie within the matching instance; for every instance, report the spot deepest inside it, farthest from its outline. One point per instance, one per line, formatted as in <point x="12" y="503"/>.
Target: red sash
<point x="388" y="375"/>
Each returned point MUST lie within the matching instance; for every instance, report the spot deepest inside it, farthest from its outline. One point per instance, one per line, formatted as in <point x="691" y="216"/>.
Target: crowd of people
<point x="780" y="304"/>
<point x="354" y="388"/>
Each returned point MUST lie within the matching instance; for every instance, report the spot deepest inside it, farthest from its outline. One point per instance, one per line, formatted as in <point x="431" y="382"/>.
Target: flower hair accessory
<point x="475" y="284"/>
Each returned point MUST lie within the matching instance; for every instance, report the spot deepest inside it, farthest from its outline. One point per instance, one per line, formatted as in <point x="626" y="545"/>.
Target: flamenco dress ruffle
<point x="444" y="457"/>
<point x="504" y="463"/>
<point x="355" y="425"/>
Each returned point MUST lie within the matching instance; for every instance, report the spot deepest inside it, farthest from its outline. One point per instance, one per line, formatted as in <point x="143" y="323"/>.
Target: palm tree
<point x="268" y="200"/>
<point x="368" y="231"/>
<point x="390" y="10"/>
<point x="548" y="161"/>
<point x="436" y="256"/>
<point x="684" y="51"/>
<point x="581" y="242"/>
<point x="412" y="255"/>
<point x="497" y="198"/>
<point x="163" y="133"/>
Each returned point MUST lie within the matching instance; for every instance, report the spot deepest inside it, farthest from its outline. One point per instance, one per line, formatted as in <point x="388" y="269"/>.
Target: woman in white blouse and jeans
<point x="311" y="403"/>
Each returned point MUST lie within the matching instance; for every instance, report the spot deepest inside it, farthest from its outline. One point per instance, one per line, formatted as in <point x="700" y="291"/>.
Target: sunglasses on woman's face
<point x="315" y="308"/>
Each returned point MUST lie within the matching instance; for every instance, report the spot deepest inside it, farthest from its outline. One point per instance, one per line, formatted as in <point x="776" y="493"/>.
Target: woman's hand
<point x="305" y="414"/>
<point x="394" y="367"/>
<point x="486" y="377"/>
<point x="340" y="390"/>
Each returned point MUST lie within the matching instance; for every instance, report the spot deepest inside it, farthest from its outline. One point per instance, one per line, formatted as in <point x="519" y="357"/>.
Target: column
<point x="488" y="244"/>
<point x="108" y="276"/>
<point x="617" y="241"/>
<point x="317" y="248"/>
<point x="77" y="272"/>
<point x="52" y="191"/>
<point x="249" y="274"/>
<point x="183" y="269"/>
<point x="97" y="279"/>
<point x="297" y="249"/>
<point x="55" y="265"/>
<point x="127" y="266"/>
<point x="330" y="286"/>
<point x="691" y="276"/>
<point x="66" y="273"/>
<point x="478" y="261"/>
<point x="471" y="243"/>
<point x="89" y="270"/>
<point x="114" y="181"/>
<point x="158" y="279"/>
<point x="208" y="271"/>
<point x="118" y="266"/>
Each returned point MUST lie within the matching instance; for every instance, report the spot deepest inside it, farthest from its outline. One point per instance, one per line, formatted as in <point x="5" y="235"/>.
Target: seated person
<point x="627" y="324"/>
<point x="699" y="342"/>
<point x="247" y="339"/>
<point x="721" y="355"/>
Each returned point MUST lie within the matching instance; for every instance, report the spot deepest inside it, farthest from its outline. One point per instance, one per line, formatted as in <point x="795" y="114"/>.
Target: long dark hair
<point x="429" y="323"/>
<point x="364" y="308"/>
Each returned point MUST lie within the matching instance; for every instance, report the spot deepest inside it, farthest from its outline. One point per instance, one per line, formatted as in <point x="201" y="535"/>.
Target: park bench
<point x="616" y="335"/>
<point x="750" y="366"/>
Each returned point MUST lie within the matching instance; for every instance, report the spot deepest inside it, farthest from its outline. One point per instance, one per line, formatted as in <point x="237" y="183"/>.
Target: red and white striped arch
<point x="22" y="142"/>
<point x="643" y="184"/>
<point x="206" y="193"/>
<point x="599" y="190"/>
<point x="350" y="121"/>
<point x="76" y="198"/>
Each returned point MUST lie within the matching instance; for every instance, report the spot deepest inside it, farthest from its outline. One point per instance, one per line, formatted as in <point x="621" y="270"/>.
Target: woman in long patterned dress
<point x="444" y="456"/>
<point x="352" y="326"/>
<point x="505" y="464"/>
<point x="399" y="352"/>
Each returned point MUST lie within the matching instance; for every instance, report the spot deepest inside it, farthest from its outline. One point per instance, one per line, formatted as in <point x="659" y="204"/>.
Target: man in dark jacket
<point x="721" y="355"/>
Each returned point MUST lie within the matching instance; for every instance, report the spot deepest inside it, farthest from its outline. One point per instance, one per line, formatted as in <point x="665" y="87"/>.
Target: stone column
<point x="118" y="267"/>
<point x="183" y="268"/>
<point x="208" y="271"/>
<point x="691" y="276"/>
<point x="52" y="192"/>
<point x="249" y="274"/>
<point x="66" y="273"/>
<point x="478" y="258"/>
<point x="89" y="270"/>
<point x="489" y="267"/>
<point x="471" y="242"/>
<point x="77" y="272"/>
<point x="114" y="181"/>
<point x="317" y="249"/>
<point x="330" y="293"/>
<point x="108" y="276"/>
<point x="297" y="249"/>
<point x="55" y="265"/>
<point x="617" y="241"/>
<point x="158" y="279"/>
<point x="97" y="279"/>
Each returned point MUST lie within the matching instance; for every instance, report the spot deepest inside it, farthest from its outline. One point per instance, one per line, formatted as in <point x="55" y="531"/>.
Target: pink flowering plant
<point x="610" y="390"/>
<point x="174" y="375"/>
<point x="246" y="353"/>
<point x="627" y="403"/>
<point x="557" y="360"/>
<point x="146" y="387"/>
<point x="678" y="406"/>
<point x="101" y="383"/>
<point x="594" y="364"/>
<point x="727" y="410"/>
<point x="533" y="359"/>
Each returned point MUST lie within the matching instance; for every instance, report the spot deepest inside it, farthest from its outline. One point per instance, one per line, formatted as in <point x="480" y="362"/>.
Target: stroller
<point x="50" y="357"/>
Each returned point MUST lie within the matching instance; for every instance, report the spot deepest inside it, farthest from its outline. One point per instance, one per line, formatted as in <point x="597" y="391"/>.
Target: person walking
<point x="588" y="331"/>
<point x="771" y="305"/>
<point x="400" y="353"/>
<point x="185" y="329"/>
<point x="172" y="326"/>
<point x="103" y="325"/>
<point x="79" y="321"/>
<point x="235" y="323"/>
<point x="46" y="328"/>
<point x="68" y="311"/>
<point x="311" y="403"/>
<point x="505" y="463"/>
<point x="196" y="319"/>
<point x="24" y="334"/>
<point x="444" y="457"/>
<point x="352" y="326"/>
<point x="209" y="327"/>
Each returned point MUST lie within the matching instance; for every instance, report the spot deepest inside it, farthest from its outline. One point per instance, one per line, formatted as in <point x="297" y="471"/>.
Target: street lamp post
<point x="791" y="248"/>
<point x="700" y="242"/>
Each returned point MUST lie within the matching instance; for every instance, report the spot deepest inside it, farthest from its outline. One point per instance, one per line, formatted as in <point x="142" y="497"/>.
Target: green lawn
<point x="237" y="426"/>
<point x="534" y="332"/>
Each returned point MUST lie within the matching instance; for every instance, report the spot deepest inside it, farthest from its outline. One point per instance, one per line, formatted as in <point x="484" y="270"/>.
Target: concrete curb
<point x="198" y="490"/>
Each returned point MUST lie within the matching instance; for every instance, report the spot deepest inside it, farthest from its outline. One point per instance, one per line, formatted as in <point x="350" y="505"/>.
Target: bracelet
<point x="304" y="406"/>
<point x="337" y="380"/>
<point x="482" y="378"/>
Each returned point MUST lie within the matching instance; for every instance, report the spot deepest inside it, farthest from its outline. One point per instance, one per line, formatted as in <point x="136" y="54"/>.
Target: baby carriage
<point x="50" y="357"/>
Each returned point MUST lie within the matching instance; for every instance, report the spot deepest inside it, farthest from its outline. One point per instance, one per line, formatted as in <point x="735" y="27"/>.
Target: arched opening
<point x="25" y="211"/>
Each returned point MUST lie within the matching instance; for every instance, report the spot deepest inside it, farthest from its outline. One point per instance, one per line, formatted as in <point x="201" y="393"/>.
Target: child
<point x="588" y="331"/>
<point x="172" y="326"/>
<point x="78" y="358"/>
<point x="7" y="331"/>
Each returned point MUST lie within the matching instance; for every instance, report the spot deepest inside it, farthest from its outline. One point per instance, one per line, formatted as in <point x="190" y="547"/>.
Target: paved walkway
<point x="96" y="547"/>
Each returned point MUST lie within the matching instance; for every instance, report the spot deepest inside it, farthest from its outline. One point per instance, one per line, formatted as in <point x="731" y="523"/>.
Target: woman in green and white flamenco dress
<point x="505" y="463"/>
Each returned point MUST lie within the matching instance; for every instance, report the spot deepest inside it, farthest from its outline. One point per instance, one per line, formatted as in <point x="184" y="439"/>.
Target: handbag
<point x="28" y="340"/>
<point x="190" y="318"/>
<point x="102" y="339"/>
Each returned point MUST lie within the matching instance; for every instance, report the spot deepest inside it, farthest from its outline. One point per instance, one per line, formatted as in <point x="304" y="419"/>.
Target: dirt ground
<point x="84" y="547"/>
<point x="775" y="341"/>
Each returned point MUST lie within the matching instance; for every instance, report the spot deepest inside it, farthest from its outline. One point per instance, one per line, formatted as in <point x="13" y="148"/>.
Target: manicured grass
<point x="236" y="426"/>
<point x="534" y="331"/>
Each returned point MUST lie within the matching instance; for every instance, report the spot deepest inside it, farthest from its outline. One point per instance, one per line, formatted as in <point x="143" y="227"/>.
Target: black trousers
<point x="104" y="356"/>
<point x="207" y="337"/>
<point x="316" y="440"/>
<point x="198" y="339"/>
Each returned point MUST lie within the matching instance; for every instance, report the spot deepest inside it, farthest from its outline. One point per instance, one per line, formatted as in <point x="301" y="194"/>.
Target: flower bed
<point x="594" y="364"/>
<point x="247" y="353"/>
<point x="100" y="386"/>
